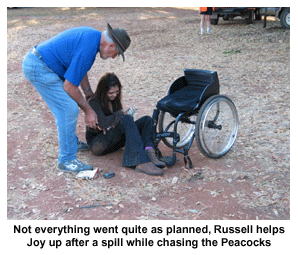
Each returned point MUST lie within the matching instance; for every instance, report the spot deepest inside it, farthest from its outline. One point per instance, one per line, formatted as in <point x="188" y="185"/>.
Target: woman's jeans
<point x="135" y="136"/>
<point x="64" y="108"/>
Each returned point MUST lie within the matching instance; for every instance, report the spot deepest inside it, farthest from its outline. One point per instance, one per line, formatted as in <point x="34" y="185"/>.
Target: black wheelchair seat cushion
<point x="182" y="100"/>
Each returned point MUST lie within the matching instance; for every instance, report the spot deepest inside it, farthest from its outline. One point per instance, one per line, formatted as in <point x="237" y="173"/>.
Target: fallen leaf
<point x="174" y="180"/>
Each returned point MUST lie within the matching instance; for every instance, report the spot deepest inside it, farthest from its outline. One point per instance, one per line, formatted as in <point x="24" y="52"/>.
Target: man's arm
<point x="86" y="87"/>
<point x="75" y="94"/>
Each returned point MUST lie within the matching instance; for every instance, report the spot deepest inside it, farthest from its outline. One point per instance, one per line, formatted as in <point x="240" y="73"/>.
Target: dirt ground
<point x="253" y="63"/>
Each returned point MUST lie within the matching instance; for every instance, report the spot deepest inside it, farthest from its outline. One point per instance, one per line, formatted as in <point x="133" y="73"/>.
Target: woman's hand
<point x="130" y="111"/>
<point x="126" y="110"/>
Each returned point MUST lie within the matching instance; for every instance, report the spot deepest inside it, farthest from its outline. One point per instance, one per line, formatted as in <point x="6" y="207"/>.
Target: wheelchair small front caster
<point x="187" y="162"/>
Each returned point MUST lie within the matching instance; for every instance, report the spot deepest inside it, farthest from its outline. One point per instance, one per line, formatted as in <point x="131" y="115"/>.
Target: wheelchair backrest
<point x="205" y="81"/>
<point x="201" y="78"/>
<point x="189" y="92"/>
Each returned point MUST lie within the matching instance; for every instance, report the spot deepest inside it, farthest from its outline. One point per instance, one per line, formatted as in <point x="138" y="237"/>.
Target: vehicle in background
<point x="252" y="13"/>
<point x="229" y="13"/>
<point x="282" y="13"/>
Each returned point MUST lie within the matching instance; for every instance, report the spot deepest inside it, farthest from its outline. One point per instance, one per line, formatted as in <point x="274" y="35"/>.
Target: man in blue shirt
<point x="57" y="67"/>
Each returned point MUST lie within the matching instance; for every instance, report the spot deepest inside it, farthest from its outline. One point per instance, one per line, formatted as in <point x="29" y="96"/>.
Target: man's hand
<point x="91" y="118"/>
<point x="75" y="94"/>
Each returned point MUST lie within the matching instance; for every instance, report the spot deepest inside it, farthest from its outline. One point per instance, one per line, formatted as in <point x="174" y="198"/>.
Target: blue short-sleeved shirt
<point x="71" y="53"/>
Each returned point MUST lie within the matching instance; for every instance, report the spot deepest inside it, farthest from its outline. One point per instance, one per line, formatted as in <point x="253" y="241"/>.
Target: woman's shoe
<point x="149" y="168"/>
<point x="154" y="159"/>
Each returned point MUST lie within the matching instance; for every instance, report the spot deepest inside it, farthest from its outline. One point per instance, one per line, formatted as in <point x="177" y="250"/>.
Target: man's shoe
<point x="154" y="159"/>
<point x="73" y="166"/>
<point x="149" y="168"/>
<point x="82" y="146"/>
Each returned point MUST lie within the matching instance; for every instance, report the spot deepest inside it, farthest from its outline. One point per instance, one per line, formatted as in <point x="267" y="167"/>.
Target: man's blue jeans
<point x="64" y="108"/>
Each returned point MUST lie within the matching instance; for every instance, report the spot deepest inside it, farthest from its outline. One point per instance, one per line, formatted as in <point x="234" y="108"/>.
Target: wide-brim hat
<point x="120" y="38"/>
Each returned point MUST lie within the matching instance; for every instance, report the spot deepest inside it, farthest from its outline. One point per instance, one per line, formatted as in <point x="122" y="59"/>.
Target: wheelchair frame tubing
<point x="176" y="138"/>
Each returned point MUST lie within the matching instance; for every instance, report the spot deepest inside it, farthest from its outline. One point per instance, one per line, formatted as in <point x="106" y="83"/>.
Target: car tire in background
<point x="285" y="18"/>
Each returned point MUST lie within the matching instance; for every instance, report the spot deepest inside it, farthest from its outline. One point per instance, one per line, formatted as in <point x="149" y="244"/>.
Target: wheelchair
<point x="194" y="110"/>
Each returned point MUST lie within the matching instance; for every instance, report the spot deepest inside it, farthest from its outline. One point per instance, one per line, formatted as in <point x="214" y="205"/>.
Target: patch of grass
<point x="231" y="52"/>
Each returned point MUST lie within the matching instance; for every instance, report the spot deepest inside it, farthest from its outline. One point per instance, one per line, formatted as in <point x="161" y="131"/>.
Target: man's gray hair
<point x="107" y="36"/>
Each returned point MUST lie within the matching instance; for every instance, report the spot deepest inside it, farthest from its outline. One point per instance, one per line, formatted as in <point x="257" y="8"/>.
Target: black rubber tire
<point x="215" y="136"/>
<point x="285" y="18"/>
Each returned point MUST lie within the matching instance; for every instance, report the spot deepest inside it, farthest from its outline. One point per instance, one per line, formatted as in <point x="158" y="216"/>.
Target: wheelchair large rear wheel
<point x="216" y="126"/>
<point x="184" y="129"/>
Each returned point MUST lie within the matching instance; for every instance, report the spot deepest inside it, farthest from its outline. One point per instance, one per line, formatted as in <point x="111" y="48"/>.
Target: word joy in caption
<point x="170" y="236"/>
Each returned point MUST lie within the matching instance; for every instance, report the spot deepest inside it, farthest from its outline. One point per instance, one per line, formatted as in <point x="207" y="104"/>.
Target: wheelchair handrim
<point x="217" y="149"/>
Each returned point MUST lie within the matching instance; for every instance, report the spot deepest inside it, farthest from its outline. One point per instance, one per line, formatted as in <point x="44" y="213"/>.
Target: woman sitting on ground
<point x="117" y="129"/>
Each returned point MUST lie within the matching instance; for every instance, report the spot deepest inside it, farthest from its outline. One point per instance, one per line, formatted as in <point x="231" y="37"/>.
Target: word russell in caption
<point x="143" y="241"/>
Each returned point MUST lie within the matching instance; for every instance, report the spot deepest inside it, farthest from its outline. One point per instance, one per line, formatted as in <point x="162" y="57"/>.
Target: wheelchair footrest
<point x="168" y="160"/>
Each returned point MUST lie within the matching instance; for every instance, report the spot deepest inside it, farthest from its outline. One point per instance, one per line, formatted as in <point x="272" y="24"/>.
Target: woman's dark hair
<point x="106" y="82"/>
